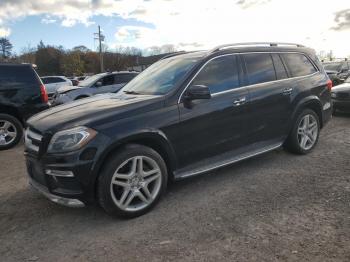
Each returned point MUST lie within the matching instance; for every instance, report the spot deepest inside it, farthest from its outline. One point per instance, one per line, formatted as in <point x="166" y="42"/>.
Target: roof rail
<point x="174" y="54"/>
<point x="220" y="47"/>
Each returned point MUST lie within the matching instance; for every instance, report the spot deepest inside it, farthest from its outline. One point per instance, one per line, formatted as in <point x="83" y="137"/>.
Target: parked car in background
<point x="22" y="94"/>
<point x="97" y="84"/>
<point x="185" y="115"/>
<point x="337" y="71"/>
<point x="341" y="96"/>
<point x="52" y="83"/>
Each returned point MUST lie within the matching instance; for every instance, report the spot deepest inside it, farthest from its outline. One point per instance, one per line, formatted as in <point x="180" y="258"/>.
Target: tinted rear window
<point x="281" y="72"/>
<point x="298" y="64"/>
<point x="260" y="68"/>
<point x="14" y="76"/>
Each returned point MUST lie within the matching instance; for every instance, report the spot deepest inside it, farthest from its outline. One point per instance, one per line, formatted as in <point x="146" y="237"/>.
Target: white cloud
<point x="4" y="32"/>
<point x="196" y="26"/>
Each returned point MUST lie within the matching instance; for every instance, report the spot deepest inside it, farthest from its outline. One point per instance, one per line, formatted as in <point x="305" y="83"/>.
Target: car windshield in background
<point x="160" y="77"/>
<point x="89" y="81"/>
<point x="332" y="66"/>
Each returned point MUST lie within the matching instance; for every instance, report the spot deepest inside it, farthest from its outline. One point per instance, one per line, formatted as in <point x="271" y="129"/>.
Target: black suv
<point x="22" y="95"/>
<point x="187" y="114"/>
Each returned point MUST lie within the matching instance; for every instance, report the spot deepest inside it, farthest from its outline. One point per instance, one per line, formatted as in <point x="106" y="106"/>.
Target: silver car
<point x="96" y="84"/>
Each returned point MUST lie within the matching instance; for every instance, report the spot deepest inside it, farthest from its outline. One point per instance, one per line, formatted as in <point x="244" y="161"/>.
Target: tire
<point x="310" y="133"/>
<point x="11" y="131"/>
<point x="114" y="197"/>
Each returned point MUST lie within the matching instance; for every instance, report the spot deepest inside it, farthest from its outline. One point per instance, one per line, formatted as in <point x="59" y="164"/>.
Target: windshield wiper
<point x="131" y="92"/>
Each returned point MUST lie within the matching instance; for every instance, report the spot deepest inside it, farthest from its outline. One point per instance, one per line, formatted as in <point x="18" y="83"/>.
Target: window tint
<point x="108" y="80"/>
<point x="260" y="68"/>
<point x="219" y="75"/>
<point x="298" y="64"/>
<point x="279" y="67"/>
<point x="123" y="78"/>
<point x="15" y="76"/>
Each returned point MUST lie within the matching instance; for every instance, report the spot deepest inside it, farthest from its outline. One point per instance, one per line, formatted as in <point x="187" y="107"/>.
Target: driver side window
<point x="220" y="74"/>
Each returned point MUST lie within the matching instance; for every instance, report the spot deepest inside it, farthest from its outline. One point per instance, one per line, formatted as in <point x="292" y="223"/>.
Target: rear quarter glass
<point x="18" y="77"/>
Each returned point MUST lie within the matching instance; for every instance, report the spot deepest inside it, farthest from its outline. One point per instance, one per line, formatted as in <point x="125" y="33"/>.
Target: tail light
<point x="329" y="84"/>
<point x="43" y="94"/>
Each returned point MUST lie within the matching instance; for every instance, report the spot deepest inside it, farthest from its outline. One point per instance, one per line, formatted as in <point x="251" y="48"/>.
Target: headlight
<point x="333" y="95"/>
<point x="71" y="139"/>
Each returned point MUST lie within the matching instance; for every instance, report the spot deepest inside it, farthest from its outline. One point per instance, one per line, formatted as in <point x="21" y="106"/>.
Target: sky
<point x="186" y="24"/>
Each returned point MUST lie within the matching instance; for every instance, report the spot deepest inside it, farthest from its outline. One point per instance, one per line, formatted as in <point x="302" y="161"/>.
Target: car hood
<point x="92" y="111"/>
<point x="341" y="88"/>
<point x="65" y="89"/>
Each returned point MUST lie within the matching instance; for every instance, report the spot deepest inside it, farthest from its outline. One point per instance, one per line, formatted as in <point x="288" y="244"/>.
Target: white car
<point x="52" y="83"/>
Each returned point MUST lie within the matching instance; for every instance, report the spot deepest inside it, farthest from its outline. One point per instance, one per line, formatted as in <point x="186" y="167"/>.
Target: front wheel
<point x="305" y="133"/>
<point x="132" y="181"/>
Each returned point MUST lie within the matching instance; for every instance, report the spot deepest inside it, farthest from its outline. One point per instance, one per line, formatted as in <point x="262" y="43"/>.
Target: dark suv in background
<point x="22" y="95"/>
<point x="187" y="114"/>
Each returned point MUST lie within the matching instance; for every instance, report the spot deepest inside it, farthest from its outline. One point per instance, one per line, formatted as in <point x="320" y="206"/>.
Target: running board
<point x="192" y="171"/>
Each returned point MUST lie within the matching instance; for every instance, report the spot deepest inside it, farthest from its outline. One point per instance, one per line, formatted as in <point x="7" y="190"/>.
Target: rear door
<point x="212" y="127"/>
<point x="270" y="97"/>
<point x="121" y="80"/>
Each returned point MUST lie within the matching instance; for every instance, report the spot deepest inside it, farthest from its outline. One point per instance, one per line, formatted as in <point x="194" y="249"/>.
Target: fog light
<point x="61" y="173"/>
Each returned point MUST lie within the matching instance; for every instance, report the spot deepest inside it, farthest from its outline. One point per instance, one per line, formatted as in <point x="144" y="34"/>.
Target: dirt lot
<point x="274" y="207"/>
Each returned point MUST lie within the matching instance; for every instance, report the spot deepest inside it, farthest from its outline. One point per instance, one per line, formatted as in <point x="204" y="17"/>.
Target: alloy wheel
<point x="136" y="183"/>
<point x="8" y="132"/>
<point x="307" y="132"/>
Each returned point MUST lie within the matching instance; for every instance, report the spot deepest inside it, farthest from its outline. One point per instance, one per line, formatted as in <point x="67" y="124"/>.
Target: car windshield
<point x="161" y="77"/>
<point x="89" y="81"/>
<point x="333" y="66"/>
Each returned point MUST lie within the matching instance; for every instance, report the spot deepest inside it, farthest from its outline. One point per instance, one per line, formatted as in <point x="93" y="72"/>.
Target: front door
<point x="215" y="126"/>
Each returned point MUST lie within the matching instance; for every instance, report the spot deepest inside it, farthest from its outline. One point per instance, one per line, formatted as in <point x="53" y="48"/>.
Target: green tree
<point x="5" y="47"/>
<point x="48" y="59"/>
<point x="72" y="64"/>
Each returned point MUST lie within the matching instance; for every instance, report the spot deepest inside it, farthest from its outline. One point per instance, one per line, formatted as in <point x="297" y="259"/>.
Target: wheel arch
<point x="156" y="140"/>
<point x="311" y="102"/>
<point x="12" y="111"/>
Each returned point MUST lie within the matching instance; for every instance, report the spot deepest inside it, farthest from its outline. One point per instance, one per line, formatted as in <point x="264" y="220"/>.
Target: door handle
<point x="287" y="91"/>
<point x="239" y="101"/>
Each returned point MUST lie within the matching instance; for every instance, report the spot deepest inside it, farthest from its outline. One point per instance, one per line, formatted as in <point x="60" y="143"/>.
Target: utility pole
<point x="100" y="38"/>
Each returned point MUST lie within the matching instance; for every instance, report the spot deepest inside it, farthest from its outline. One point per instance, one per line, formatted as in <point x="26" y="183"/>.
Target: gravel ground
<point x="274" y="207"/>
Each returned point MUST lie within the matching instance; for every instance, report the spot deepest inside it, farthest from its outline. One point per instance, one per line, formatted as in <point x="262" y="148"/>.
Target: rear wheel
<point x="304" y="135"/>
<point x="11" y="131"/>
<point x="132" y="181"/>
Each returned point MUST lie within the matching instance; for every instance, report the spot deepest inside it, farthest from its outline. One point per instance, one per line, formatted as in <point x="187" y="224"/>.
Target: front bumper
<point x="54" y="198"/>
<point x="341" y="104"/>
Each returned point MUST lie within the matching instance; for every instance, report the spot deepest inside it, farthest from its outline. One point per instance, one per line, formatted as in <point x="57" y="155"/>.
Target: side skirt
<point x="221" y="161"/>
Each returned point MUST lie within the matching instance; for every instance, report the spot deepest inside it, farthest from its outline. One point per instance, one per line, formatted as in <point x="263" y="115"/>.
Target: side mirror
<point x="98" y="84"/>
<point x="197" y="92"/>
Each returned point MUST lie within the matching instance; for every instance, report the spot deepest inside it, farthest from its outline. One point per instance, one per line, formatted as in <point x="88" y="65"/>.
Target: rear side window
<point x="219" y="75"/>
<point x="17" y="76"/>
<point x="279" y="67"/>
<point x="123" y="78"/>
<point x="260" y="68"/>
<point x="298" y="64"/>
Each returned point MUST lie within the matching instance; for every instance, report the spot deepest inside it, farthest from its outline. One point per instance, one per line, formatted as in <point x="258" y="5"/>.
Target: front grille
<point x="33" y="140"/>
